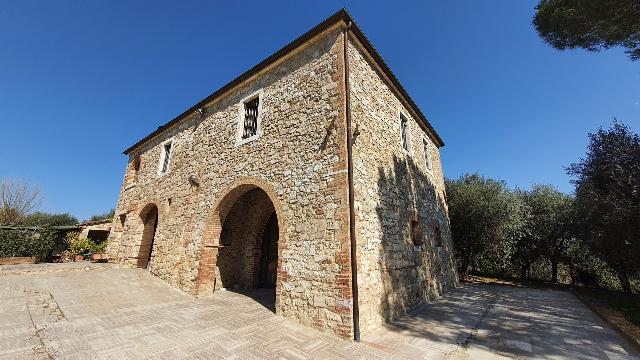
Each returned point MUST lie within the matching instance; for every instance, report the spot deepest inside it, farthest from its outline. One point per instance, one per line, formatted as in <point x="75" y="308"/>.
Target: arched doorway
<point x="242" y="244"/>
<point x="268" y="270"/>
<point x="149" y="217"/>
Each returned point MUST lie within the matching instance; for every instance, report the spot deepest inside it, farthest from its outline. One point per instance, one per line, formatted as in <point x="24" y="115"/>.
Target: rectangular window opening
<point x="167" y="156"/>
<point x="404" y="132"/>
<point x="438" y="236"/>
<point x="250" y="128"/>
<point x="427" y="154"/>
<point x="416" y="233"/>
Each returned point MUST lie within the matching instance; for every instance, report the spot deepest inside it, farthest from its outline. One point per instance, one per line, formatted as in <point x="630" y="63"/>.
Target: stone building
<point x="97" y="231"/>
<point x="312" y="174"/>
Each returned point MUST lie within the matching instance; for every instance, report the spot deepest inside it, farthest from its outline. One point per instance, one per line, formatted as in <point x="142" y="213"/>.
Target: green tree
<point x="483" y="215"/>
<point x="593" y="25"/>
<point x="608" y="199"/>
<point x="108" y="215"/>
<point x="585" y="268"/>
<point x="550" y="223"/>
<point x="40" y="218"/>
<point x="527" y="244"/>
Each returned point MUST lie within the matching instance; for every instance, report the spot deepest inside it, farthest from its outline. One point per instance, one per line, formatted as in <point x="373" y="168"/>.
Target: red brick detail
<point x="149" y="217"/>
<point x="216" y="218"/>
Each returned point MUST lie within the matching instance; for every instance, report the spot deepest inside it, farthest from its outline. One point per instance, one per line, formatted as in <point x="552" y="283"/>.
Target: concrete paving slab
<point x="105" y="312"/>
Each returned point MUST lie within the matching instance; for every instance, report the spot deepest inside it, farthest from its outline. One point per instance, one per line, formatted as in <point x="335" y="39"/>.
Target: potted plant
<point x="79" y="247"/>
<point x="97" y="251"/>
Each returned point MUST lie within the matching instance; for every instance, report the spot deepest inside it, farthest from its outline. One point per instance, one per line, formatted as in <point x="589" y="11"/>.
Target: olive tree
<point x="607" y="184"/>
<point x="484" y="215"/>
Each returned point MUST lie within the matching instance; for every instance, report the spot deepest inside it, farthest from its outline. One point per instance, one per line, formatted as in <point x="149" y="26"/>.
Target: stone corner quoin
<point x="204" y="207"/>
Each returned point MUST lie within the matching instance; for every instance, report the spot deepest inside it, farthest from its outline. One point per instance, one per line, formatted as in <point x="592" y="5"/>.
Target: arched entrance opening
<point x="242" y="243"/>
<point x="149" y="217"/>
<point x="247" y="260"/>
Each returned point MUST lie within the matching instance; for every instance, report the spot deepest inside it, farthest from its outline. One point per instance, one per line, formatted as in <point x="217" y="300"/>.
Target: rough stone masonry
<point x="251" y="188"/>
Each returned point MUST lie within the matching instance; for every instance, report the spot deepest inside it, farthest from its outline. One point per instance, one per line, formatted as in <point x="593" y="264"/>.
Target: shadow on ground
<point x="491" y="320"/>
<point x="106" y="313"/>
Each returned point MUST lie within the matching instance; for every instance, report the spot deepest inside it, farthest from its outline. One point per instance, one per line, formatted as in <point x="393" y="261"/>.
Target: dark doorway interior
<point x="98" y="236"/>
<point x="247" y="260"/>
<point x="269" y="254"/>
<point x="150" y="221"/>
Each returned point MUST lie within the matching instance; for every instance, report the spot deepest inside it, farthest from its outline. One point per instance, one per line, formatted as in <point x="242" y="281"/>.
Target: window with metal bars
<point x="250" y="127"/>
<point x="404" y="132"/>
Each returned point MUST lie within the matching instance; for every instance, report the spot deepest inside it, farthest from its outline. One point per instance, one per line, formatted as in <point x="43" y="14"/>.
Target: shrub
<point x="99" y="248"/>
<point x="78" y="245"/>
<point x="27" y="242"/>
<point x="82" y="245"/>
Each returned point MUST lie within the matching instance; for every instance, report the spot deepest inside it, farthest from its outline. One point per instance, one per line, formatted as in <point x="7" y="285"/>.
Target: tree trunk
<point x="523" y="272"/>
<point x="624" y="281"/>
<point x="573" y="276"/>
<point x="554" y="271"/>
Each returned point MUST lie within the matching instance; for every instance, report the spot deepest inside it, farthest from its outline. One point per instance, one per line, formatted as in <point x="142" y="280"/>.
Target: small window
<point x="438" y="236"/>
<point x="249" y="119"/>
<point x="166" y="157"/>
<point x="132" y="171"/>
<point x="404" y="132"/>
<point x="427" y="154"/>
<point x="416" y="233"/>
<point x="123" y="218"/>
<point x="250" y="126"/>
<point x="136" y="168"/>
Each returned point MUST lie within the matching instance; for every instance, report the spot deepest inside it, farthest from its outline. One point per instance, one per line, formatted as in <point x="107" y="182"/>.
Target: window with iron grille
<point x="404" y="132"/>
<point x="166" y="157"/>
<point x="251" y="109"/>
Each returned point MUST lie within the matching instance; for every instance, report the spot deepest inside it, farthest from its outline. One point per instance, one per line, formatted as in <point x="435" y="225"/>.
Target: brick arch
<point x="144" y="212"/>
<point x="216" y="218"/>
<point x="150" y="218"/>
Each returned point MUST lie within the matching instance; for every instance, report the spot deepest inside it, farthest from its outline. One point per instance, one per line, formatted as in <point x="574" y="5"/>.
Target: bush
<point x="81" y="246"/>
<point x="27" y="242"/>
<point x="78" y="245"/>
<point x="99" y="248"/>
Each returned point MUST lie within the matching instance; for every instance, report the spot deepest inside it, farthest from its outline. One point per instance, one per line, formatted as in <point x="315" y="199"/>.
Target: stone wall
<point x="297" y="168"/>
<point x="102" y="225"/>
<point x="397" y="270"/>
<point x="299" y="161"/>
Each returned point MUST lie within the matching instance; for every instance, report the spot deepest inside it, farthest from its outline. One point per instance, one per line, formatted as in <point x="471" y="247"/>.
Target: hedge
<point x="27" y="242"/>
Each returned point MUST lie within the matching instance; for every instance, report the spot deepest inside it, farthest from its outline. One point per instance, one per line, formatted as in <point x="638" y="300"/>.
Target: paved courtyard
<point x="100" y="312"/>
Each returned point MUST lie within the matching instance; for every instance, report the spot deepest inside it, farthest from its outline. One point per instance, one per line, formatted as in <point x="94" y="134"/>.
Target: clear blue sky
<point x="80" y="81"/>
